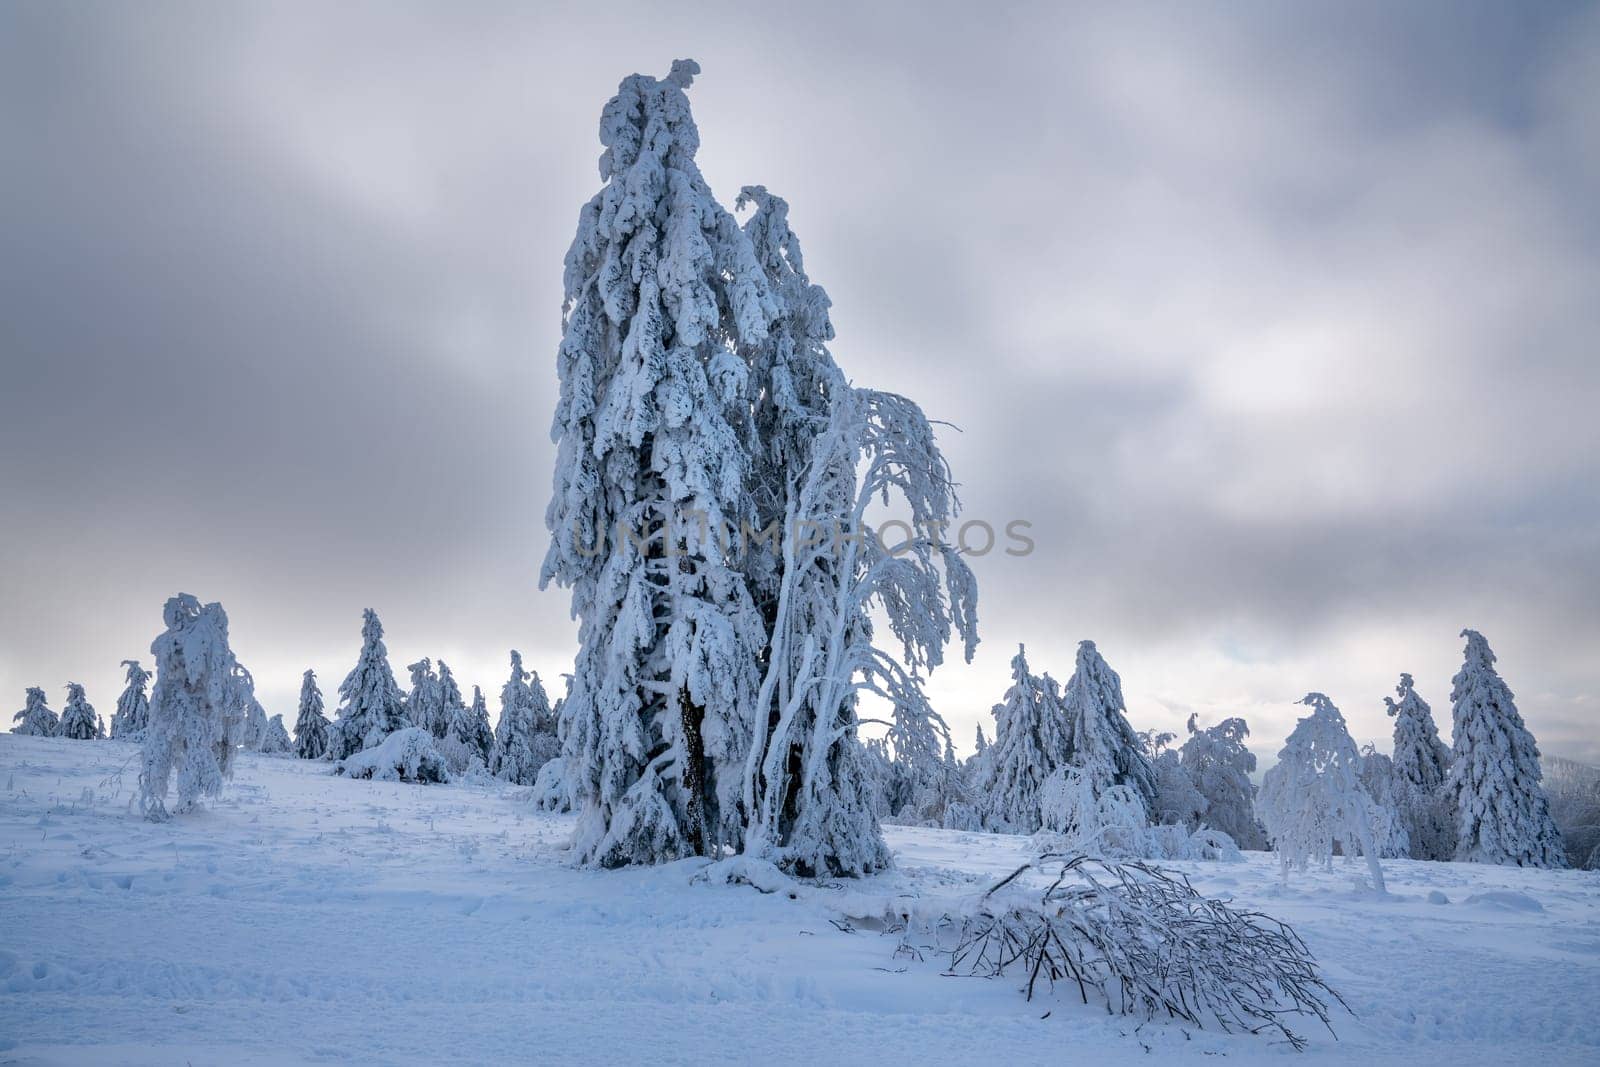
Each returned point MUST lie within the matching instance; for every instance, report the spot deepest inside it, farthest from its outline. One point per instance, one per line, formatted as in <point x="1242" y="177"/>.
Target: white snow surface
<point x="304" y="918"/>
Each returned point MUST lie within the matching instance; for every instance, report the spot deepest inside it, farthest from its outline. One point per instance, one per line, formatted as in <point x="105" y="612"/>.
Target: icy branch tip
<point x="683" y="72"/>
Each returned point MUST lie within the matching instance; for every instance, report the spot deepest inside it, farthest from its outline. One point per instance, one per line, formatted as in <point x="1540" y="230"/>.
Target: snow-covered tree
<point x="1105" y="749"/>
<point x="698" y="399"/>
<point x="1032" y="738"/>
<point x="1177" y="802"/>
<point x="1312" y="798"/>
<point x="370" y="705"/>
<point x="254" y="733"/>
<point x="1502" y="813"/>
<point x="470" y="727"/>
<point x="79" y="720"/>
<point x="1421" y="766"/>
<point x="450" y="706"/>
<point x="520" y="747"/>
<point x="275" y="739"/>
<point x="661" y="289"/>
<point x="1220" y="766"/>
<point x="35" y="719"/>
<point x="310" y="724"/>
<point x="197" y="709"/>
<point x="825" y="451"/>
<point x="425" y="702"/>
<point x="1388" y="828"/>
<point x="133" y="706"/>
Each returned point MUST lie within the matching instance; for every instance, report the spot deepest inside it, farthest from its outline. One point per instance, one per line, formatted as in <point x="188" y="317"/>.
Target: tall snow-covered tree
<point x="310" y="724"/>
<point x="661" y="289"/>
<point x="1105" y="750"/>
<point x="79" y="720"/>
<point x="36" y="719"/>
<point x="823" y="452"/>
<point x="425" y="703"/>
<point x="450" y="706"/>
<point x="1312" y="798"/>
<point x="1032" y="738"/>
<point x="133" y="706"/>
<point x="1502" y="813"/>
<point x="197" y="709"/>
<point x="370" y="705"/>
<point x="1220" y="766"/>
<point x="1421" y="766"/>
<point x="520" y="747"/>
<point x="698" y="400"/>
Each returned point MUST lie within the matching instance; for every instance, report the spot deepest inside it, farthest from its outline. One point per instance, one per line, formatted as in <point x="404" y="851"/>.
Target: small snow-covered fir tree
<point x="197" y="709"/>
<point x="133" y="706"/>
<point x="520" y="748"/>
<point x="1105" y="749"/>
<point x="1220" y="766"/>
<point x="470" y="727"/>
<point x="1313" y="799"/>
<point x="425" y="701"/>
<point x="36" y="719"/>
<point x="1388" y="828"/>
<point x="275" y="739"/>
<point x="1421" y="767"/>
<point x="370" y="705"/>
<point x="450" y="707"/>
<point x="79" y="720"/>
<point x="310" y="724"/>
<point x="1502" y="813"/>
<point x="1032" y="738"/>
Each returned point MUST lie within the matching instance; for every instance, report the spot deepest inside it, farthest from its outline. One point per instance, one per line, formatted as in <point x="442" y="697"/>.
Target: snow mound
<point x="1505" y="900"/>
<point x="407" y="755"/>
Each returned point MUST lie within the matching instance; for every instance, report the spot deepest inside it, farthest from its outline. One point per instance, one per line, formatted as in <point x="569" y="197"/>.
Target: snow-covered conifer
<point x="520" y="747"/>
<point x="1313" y="798"/>
<point x="1105" y="750"/>
<point x="662" y="288"/>
<point x="1388" y="828"/>
<point x="450" y="706"/>
<point x="197" y="709"/>
<point x="1421" y="765"/>
<point x="36" y="719"/>
<point x="471" y="727"/>
<point x="1032" y="738"/>
<point x="275" y="739"/>
<point x="824" y="452"/>
<point x="425" y="701"/>
<point x="133" y="706"/>
<point x="310" y="724"/>
<point x="79" y="720"/>
<point x="254" y="733"/>
<point x="1220" y="766"/>
<point x="370" y="705"/>
<point x="1502" y="813"/>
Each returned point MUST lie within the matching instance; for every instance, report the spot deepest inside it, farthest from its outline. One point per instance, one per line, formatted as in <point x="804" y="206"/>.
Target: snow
<point x="305" y="917"/>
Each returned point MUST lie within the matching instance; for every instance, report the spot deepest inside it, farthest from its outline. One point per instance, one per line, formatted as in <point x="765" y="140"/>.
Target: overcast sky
<point x="1279" y="326"/>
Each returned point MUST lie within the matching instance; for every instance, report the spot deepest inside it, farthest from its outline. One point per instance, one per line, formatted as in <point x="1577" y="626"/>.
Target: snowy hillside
<point x="308" y="918"/>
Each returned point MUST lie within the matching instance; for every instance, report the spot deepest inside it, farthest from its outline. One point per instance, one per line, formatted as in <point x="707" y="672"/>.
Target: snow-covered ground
<point x="307" y="918"/>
